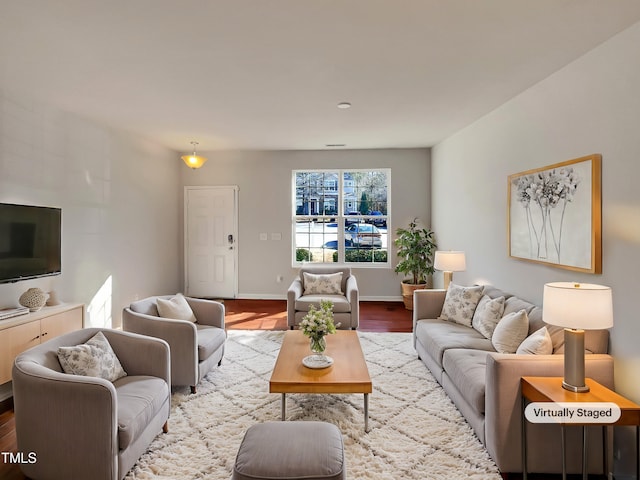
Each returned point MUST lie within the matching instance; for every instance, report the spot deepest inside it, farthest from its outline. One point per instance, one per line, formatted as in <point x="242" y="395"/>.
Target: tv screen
<point x="30" y="242"/>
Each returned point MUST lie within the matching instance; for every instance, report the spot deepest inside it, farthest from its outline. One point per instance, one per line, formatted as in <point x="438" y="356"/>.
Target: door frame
<point x="185" y="229"/>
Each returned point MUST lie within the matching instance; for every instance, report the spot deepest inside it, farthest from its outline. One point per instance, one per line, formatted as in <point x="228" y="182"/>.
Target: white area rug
<point x="415" y="430"/>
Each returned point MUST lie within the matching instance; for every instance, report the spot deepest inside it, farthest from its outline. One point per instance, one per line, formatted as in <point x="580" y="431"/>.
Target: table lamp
<point x="449" y="262"/>
<point x="576" y="307"/>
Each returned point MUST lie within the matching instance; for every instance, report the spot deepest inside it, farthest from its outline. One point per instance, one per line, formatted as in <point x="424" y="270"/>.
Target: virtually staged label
<point x="567" y="412"/>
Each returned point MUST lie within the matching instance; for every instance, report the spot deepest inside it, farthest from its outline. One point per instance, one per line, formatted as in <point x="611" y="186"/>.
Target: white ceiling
<point x="268" y="74"/>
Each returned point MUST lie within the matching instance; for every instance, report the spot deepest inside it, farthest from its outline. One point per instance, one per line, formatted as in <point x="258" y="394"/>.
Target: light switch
<point x="264" y="237"/>
<point x="276" y="236"/>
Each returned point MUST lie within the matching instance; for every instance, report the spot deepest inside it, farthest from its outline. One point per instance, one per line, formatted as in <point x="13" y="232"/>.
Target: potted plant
<point x="416" y="248"/>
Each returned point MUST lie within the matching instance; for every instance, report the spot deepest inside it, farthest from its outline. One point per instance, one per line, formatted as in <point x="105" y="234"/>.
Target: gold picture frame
<point x="555" y="215"/>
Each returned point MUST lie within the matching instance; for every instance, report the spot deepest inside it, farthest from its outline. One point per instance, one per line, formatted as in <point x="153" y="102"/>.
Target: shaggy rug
<point x="415" y="430"/>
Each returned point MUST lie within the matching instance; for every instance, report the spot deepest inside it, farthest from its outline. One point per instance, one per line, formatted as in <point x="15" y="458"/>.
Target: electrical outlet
<point x="279" y="278"/>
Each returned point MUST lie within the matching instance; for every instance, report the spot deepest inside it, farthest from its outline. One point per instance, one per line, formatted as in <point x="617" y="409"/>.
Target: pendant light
<point x="194" y="161"/>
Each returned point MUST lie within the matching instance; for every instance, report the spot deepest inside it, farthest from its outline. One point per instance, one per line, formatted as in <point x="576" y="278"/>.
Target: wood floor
<point x="272" y="315"/>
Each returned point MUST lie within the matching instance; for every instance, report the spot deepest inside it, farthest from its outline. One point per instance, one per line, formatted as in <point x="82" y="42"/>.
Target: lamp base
<point x="574" y="389"/>
<point x="574" y="361"/>
<point x="448" y="276"/>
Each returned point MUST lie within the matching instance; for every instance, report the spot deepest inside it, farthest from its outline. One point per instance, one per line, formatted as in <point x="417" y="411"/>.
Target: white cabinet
<point x="20" y="333"/>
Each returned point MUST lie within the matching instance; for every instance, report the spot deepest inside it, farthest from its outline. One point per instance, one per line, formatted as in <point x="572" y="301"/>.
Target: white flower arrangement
<point x="318" y="323"/>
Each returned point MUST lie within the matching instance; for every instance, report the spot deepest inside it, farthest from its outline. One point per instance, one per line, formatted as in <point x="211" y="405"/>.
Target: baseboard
<point x="261" y="296"/>
<point x="265" y="296"/>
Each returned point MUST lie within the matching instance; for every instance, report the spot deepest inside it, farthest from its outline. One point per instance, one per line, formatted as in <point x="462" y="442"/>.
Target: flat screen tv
<point x="30" y="242"/>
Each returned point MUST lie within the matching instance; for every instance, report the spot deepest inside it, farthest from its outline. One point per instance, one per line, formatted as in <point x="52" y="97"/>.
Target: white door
<point x="211" y="241"/>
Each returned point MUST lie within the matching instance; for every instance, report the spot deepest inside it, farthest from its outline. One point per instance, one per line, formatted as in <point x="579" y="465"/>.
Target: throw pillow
<point x="95" y="358"/>
<point x="460" y="303"/>
<point x="538" y="343"/>
<point x="322" y="284"/>
<point x="487" y="315"/>
<point x="511" y="330"/>
<point x="176" y="307"/>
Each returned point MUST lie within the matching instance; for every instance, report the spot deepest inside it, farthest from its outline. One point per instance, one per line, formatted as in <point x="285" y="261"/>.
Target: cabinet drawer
<point x="14" y="341"/>
<point x="60" y="323"/>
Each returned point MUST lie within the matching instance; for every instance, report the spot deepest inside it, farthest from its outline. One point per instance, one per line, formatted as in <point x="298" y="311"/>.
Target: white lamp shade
<point x="449" y="261"/>
<point x="583" y="306"/>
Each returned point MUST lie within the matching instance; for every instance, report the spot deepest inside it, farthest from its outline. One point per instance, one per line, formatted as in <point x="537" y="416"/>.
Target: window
<point x="341" y="216"/>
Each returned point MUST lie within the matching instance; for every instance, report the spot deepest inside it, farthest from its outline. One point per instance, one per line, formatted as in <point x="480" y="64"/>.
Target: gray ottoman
<point x="291" y="450"/>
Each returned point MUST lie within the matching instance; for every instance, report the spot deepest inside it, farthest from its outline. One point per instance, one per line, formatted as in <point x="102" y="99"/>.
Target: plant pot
<point x="407" y="293"/>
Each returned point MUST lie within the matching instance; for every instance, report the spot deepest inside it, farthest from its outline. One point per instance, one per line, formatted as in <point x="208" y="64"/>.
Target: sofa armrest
<point x="65" y="407"/>
<point x="427" y="303"/>
<point x="208" y="312"/>
<point x="353" y="296"/>
<point x="503" y="401"/>
<point x="140" y="354"/>
<point x="293" y="293"/>
<point x="181" y="335"/>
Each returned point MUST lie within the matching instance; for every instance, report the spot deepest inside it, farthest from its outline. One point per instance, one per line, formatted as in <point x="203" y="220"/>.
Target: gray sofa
<point x="88" y="427"/>
<point x="485" y="385"/>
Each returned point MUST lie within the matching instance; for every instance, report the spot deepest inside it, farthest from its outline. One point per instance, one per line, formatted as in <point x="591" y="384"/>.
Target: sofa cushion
<point x="511" y="330"/>
<point x="460" y="303"/>
<point x="319" y="284"/>
<point x="176" y="307"/>
<point x="340" y="303"/>
<point x="538" y="343"/>
<point x="437" y="336"/>
<point x="140" y="398"/>
<point x="487" y="315"/>
<point x="467" y="369"/>
<point x="210" y="339"/>
<point x="94" y="358"/>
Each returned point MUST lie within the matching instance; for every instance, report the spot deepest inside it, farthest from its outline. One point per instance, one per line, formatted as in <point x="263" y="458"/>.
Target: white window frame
<point x="340" y="217"/>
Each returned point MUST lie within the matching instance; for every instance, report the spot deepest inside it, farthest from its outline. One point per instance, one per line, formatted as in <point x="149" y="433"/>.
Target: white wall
<point x="120" y="205"/>
<point x="590" y="106"/>
<point x="264" y="180"/>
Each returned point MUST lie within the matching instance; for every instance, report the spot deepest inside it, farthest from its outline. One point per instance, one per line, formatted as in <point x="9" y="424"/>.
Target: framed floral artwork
<point x="554" y="215"/>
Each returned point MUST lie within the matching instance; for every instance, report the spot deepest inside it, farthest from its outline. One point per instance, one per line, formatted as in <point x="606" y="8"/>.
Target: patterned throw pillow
<point x="511" y="330"/>
<point x="176" y="307"/>
<point x="460" y="303"/>
<point x="95" y="358"/>
<point x="322" y="284"/>
<point x="538" y="343"/>
<point x="487" y="315"/>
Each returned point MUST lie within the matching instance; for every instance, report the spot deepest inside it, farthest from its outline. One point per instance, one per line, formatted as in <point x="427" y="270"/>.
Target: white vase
<point x="34" y="299"/>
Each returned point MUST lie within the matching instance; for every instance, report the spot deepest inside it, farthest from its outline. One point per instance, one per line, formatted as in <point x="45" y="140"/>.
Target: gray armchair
<point x="88" y="427"/>
<point x="196" y="348"/>
<point x="346" y="306"/>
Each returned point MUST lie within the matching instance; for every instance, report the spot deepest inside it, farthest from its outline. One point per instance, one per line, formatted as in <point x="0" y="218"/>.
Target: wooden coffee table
<point x="348" y="374"/>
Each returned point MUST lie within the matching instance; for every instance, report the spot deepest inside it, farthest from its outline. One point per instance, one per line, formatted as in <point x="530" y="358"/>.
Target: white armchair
<point x="346" y="298"/>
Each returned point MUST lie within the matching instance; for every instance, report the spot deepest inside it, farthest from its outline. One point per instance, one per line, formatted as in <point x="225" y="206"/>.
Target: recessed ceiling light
<point x="344" y="105"/>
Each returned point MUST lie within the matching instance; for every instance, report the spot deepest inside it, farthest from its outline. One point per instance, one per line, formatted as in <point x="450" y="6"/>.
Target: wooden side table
<point x="549" y="389"/>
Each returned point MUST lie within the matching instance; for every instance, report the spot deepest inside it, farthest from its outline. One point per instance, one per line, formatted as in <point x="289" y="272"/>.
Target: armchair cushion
<point x="94" y="358"/>
<point x="140" y="399"/>
<point x="176" y="307"/>
<point x="319" y="284"/>
<point x="210" y="339"/>
<point x="340" y="303"/>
